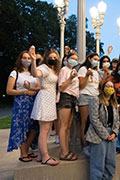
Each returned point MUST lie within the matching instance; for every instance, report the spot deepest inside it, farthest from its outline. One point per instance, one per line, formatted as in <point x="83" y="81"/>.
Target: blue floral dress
<point x="21" y="121"/>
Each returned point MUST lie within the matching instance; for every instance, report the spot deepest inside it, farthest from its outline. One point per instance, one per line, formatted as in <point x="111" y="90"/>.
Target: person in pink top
<point x="68" y="85"/>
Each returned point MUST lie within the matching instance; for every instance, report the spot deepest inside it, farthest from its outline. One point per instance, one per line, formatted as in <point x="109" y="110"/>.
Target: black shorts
<point x="67" y="101"/>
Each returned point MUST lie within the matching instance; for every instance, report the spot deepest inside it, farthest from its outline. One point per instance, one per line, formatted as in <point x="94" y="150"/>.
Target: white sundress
<point x="44" y="108"/>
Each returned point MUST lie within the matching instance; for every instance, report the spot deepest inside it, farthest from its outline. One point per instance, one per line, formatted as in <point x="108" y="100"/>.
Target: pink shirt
<point x="73" y="87"/>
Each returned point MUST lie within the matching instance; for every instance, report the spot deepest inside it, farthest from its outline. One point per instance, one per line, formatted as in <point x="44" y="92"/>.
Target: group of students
<point x="34" y="90"/>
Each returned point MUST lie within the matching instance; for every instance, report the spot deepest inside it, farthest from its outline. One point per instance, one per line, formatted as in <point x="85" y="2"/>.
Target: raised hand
<point x="110" y="48"/>
<point x="32" y="52"/>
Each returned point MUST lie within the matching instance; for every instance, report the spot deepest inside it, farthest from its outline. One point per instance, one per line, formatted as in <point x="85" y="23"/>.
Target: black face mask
<point x="52" y="62"/>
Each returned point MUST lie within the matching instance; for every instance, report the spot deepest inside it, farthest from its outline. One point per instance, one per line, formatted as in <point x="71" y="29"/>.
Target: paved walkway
<point x="6" y="111"/>
<point x="9" y="160"/>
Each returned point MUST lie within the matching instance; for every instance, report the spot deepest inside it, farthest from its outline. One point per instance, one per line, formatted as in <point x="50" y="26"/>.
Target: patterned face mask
<point x="26" y="63"/>
<point x="108" y="91"/>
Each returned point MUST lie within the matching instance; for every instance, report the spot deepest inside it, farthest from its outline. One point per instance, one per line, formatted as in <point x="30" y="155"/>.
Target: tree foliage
<point x="27" y="22"/>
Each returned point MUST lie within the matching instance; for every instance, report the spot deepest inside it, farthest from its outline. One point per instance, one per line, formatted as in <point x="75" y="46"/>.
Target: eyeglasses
<point x="109" y="86"/>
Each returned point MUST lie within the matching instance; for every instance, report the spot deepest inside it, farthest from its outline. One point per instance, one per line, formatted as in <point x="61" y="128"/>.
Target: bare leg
<point x="30" y="138"/>
<point x="64" y="117"/>
<point x="24" y="149"/>
<point x="68" y="130"/>
<point x="44" y="129"/>
<point x="83" y="116"/>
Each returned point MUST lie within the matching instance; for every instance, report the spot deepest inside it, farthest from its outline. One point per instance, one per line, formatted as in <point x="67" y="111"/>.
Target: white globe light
<point x="102" y="7"/>
<point x="94" y="12"/>
<point x="118" y="21"/>
<point x="59" y="2"/>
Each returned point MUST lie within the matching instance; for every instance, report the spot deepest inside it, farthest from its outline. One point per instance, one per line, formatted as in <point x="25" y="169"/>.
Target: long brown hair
<point x="102" y="98"/>
<point x="87" y="62"/>
<point x="45" y="59"/>
<point x="18" y="64"/>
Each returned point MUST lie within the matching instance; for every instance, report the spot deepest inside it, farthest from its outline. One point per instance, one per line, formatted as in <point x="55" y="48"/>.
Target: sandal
<point x="69" y="157"/>
<point x="47" y="162"/>
<point x="39" y="160"/>
<point x="25" y="157"/>
<point x="75" y="155"/>
<point x="32" y="155"/>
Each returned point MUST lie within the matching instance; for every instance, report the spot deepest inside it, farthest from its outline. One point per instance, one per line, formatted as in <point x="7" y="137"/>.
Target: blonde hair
<point x="45" y="59"/>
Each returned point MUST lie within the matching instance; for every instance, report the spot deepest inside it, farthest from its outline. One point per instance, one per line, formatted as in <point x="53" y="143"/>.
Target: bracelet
<point x="25" y="92"/>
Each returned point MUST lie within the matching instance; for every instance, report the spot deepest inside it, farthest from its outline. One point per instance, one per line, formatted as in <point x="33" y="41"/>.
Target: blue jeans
<point x="118" y="141"/>
<point x="102" y="160"/>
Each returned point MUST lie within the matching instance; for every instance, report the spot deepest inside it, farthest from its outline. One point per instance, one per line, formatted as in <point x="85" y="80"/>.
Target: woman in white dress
<point x="44" y="109"/>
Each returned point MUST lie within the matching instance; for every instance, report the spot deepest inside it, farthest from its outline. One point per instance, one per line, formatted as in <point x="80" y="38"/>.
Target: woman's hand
<point x="31" y="93"/>
<point x="32" y="52"/>
<point x="27" y="84"/>
<point x="89" y="72"/>
<point x="110" y="48"/>
<point x="111" y="137"/>
<point x="73" y="74"/>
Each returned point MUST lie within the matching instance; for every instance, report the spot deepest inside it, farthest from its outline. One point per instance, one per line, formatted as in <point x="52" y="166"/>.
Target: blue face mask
<point x="94" y="63"/>
<point x="72" y="62"/>
<point x="107" y="64"/>
<point x="118" y="72"/>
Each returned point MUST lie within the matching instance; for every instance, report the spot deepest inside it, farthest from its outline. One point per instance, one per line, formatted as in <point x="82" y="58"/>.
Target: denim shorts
<point x="67" y="101"/>
<point x="84" y="99"/>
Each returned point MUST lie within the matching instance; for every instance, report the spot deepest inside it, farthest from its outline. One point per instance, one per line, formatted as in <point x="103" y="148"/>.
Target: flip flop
<point x="23" y="159"/>
<point x="69" y="157"/>
<point x="50" y="164"/>
<point x="39" y="160"/>
<point x="75" y="155"/>
<point x="32" y="155"/>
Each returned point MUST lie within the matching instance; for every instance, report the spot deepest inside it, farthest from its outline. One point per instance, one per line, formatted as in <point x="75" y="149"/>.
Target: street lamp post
<point x="81" y="31"/>
<point x="62" y="7"/>
<point x="98" y="21"/>
<point x="118" y="22"/>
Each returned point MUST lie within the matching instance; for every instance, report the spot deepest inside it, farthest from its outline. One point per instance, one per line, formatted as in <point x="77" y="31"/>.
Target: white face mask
<point x="107" y="64"/>
<point x="94" y="63"/>
<point x="72" y="62"/>
<point x="25" y="62"/>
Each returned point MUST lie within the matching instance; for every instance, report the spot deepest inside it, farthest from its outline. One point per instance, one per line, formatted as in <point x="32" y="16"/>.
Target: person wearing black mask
<point x="44" y="109"/>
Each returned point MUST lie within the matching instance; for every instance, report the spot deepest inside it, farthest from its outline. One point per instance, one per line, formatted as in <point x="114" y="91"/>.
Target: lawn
<point x="5" y="122"/>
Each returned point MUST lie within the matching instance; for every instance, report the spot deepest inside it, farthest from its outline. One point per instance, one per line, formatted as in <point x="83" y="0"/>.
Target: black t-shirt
<point x="110" y="115"/>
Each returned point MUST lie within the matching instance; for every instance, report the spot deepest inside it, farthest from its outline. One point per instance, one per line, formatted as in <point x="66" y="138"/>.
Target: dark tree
<point x="29" y="22"/>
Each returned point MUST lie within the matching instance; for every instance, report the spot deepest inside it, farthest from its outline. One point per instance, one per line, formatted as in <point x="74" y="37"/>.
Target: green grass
<point x="5" y="122"/>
